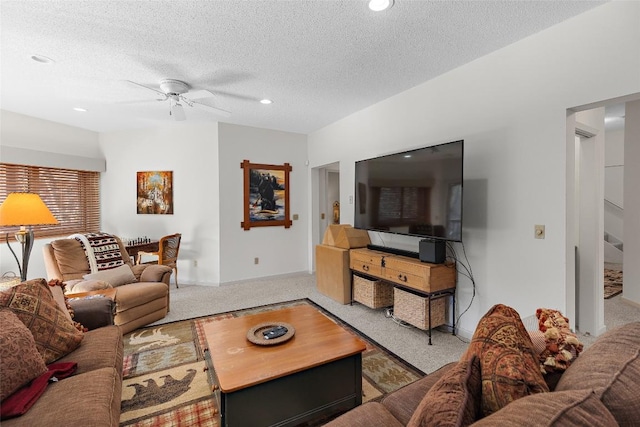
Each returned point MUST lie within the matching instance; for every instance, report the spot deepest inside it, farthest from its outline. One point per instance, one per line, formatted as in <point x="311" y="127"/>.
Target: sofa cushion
<point x="100" y="348"/>
<point x="71" y="259"/>
<point x="89" y="399"/>
<point x="452" y="401"/>
<point x="403" y="402"/>
<point x="370" y="414"/>
<point x="611" y="366"/>
<point x="20" y="361"/>
<point x="55" y="335"/>
<point x="509" y="365"/>
<point x="575" y="408"/>
<point x="118" y="276"/>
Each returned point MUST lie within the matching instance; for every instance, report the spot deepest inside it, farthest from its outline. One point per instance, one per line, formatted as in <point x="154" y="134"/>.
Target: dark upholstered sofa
<point x="600" y="388"/>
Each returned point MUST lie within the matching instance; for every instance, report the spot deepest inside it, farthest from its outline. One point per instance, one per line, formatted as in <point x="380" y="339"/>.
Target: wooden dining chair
<point x="167" y="254"/>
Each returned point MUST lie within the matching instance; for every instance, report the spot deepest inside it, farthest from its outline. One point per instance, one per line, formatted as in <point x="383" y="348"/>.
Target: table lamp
<point x="24" y="209"/>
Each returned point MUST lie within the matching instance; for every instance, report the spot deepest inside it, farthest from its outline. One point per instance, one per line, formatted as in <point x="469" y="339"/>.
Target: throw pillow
<point x="454" y="400"/>
<point x="118" y="276"/>
<point x="19" y="358"/>
<point x="561" y="344"/>
<point x="77" y="286"/>
<point x="33" y="303"/>
<point x="509" y="365"/>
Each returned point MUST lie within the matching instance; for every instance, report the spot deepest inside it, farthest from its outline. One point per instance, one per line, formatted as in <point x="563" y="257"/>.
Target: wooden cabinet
<point x="404" y="271"/>
<point x="431" y="282"/>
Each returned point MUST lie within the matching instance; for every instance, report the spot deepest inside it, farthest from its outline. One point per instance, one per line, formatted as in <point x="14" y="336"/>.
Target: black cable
<point x="468" y="274"/>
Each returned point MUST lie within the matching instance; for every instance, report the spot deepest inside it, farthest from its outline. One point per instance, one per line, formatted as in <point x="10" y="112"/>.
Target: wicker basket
<point x="414" y="309"/>
<point x="372" y="293"/>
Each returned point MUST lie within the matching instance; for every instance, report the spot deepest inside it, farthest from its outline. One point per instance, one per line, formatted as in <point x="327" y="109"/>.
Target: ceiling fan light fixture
<point x="177" y="111"/>
<point x="380" y="5"/>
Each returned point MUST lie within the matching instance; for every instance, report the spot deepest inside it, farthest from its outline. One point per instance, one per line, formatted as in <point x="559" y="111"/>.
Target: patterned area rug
<point x="612" y="283"/>
<point x="165" y="383"/>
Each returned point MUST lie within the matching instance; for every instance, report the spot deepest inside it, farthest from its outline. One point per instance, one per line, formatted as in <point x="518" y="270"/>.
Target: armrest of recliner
<point x="152" y="273"/>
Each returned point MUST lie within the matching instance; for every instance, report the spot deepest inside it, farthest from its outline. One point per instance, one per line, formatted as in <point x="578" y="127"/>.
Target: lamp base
<point x="25" y="237"/>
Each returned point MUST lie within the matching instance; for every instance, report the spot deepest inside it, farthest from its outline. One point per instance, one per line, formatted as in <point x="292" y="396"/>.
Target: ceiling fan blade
<point x="164" y="95"/>
<point x="199" y="94"/>
<point x="214" y="110"/>
<point x="177" y="111"/>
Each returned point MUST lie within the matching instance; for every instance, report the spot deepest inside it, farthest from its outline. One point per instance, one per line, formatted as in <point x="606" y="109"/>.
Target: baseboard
<point x="263" y="278"/>
<point x="628" y="301"/>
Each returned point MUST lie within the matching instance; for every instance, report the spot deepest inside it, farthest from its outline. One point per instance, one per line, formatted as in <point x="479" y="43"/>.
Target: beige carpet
<point x="165" y="382"/>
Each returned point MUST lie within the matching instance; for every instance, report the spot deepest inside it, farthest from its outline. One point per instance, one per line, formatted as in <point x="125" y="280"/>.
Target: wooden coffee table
<point x="315" y="374"/>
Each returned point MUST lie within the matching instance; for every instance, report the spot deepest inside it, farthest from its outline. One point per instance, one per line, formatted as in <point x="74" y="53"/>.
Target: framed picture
<point x="266" y="195"/>
<point x="155" y="193"/>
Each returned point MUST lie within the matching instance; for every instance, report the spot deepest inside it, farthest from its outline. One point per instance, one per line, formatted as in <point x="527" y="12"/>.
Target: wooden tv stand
<point x="431" y="281"/>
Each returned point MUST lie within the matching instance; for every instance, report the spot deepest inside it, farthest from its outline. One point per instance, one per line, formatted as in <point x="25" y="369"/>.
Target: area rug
<point x="165" y="383"/>
<point x="612" y="283"/>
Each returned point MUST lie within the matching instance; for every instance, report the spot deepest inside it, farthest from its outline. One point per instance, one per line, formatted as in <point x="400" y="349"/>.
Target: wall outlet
<point x="538" y="232"/>
<point x="256" y="260"/>
<point x="195" y="262"/>
<point x="295" y="217"/>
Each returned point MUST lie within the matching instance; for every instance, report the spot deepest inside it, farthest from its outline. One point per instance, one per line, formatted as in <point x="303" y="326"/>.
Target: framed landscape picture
<point x="155" y="192"/>
<point x="266" y="195"/>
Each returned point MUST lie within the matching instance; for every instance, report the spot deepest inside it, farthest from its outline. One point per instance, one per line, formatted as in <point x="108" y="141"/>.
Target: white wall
<point x="191" y="152"/>
<point x="613" y="181"/>
<point x="280" y="250"/>
<point x="632" y="204"/>
<point x="510" y="108"/>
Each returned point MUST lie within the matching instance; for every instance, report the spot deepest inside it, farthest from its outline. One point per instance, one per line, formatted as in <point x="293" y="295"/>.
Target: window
<point x="72" y="196"/>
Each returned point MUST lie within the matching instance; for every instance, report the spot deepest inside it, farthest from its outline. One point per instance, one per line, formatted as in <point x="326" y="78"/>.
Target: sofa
<point x="142" y="291"/>
<point x="39" y="339"/>
<point x="600" y="387"/>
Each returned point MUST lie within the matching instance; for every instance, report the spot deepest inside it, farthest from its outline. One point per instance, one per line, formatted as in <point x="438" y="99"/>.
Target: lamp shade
<point x="25" y="209"/>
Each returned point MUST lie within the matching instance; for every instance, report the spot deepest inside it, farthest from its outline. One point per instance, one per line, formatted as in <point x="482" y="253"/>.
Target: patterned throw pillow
<point x="20" y="361"/>
<point x="508" y="363"/>
<point x="561" y="344"/>
<point x="454" y="400"/>
<point x="55" y="335"/>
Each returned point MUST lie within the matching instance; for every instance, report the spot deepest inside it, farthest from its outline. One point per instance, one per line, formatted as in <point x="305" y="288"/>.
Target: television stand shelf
<point x="424" y="280"/>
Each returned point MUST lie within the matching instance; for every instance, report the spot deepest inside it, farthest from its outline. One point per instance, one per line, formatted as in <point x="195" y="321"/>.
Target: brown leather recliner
<point x="137" y="304"/>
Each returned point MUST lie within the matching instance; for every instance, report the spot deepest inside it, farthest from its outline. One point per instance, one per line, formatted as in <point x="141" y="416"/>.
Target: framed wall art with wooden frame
<point x="266" y="195"/>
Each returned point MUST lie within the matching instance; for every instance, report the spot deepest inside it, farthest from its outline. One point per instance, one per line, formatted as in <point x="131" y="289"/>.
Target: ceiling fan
<point x="178" y="93"/>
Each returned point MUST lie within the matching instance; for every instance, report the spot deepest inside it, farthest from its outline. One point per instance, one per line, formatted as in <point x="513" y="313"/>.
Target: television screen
<point x="416" y="192"/>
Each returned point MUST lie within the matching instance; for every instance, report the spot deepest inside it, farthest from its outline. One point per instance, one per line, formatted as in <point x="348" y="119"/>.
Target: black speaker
<point x="433" y="251"/>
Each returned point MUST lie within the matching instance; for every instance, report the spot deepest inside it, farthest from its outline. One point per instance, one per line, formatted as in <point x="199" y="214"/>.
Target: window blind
<point x="72" y="196"/>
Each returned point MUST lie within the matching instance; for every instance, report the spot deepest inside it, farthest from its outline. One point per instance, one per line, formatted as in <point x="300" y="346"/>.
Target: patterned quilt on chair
<point x="102" y="250"/>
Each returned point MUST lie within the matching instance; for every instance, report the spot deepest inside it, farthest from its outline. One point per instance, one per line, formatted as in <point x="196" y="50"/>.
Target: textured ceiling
<point x="319" y="61"/>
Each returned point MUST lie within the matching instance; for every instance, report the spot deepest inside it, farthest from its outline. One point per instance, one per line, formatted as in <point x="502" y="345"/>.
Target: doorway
<point x="326" y="202"/>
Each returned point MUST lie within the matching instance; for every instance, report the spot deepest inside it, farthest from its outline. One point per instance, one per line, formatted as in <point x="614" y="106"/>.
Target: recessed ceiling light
<point x="42" y="59"/>
<point x="266" y="101"/>
<point x="80" y="109"/>
<point x="380" y="5"/>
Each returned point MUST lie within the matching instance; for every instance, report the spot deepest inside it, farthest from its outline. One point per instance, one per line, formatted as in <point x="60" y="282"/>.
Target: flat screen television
<point x="416" y="193"/>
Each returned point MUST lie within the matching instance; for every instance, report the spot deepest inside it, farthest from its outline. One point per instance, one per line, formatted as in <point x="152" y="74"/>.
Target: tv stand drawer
<point x="366" y="261"/>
